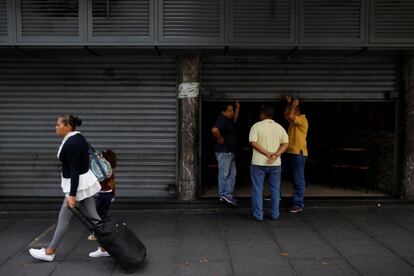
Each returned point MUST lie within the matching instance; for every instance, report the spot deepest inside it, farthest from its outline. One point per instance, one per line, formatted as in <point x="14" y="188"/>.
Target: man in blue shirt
<point x="225" y="133"/>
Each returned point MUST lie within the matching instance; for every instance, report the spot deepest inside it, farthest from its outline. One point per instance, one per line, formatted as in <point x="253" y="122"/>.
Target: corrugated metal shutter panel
<point x="392" y="20"/>
<point x="333" y="20"/>
<point x="262" y="20"/>
<point x="312" y="77"/>
<point x="123" y="18"/>
<point x="126" y="104"/>
<point x="195" y="19"/>
<point x="49" y="18"/>
<point x="3" y="18"/>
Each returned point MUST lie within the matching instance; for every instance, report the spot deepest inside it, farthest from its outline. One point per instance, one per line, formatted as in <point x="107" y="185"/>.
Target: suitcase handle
<point x="83" y="218"/>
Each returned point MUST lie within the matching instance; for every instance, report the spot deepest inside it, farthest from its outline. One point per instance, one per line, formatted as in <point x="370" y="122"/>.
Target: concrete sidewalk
<point x="319" y="241"/>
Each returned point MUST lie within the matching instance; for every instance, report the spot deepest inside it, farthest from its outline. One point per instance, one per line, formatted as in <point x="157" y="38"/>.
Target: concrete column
<point x="188" y="121"/>
<point x="408" y="179"/>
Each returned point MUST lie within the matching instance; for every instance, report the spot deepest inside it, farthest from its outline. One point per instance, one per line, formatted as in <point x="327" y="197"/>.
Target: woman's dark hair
<point x="73" y="121"/>
<point x="110" y="156"/>
<point x="267" y="111"/>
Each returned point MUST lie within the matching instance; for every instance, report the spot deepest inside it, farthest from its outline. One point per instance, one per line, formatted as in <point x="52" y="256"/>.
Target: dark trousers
<point x="103" y="201"/>
<point x="295" y="163"/>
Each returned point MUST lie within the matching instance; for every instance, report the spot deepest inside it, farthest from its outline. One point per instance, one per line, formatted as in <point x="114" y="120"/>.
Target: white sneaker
<point x="91" y="237"/>
<point x="41" y="254"/>
<point x="99" y="253"/>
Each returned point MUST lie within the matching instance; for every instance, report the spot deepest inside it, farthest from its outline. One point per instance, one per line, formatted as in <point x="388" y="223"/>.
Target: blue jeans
<point x="258" y="174"/>
<point x="226" y="173"/>
<point x="296" y="164"/>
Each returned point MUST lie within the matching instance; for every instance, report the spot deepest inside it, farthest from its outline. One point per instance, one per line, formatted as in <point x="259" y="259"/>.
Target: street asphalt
<point x="324" y="240"/>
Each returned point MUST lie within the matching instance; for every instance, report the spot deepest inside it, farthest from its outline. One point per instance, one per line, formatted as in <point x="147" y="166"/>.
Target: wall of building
<point x="238" y="23"/>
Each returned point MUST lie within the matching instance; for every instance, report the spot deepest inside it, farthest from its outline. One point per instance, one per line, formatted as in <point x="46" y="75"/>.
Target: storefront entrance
<point x="351" y="148"/>
<point x="350" y="101"/>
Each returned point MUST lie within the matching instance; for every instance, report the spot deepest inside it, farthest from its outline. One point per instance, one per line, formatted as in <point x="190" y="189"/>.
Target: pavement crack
<point x="284" y="255"/>
<point x="37" y="241"/>
<point x="226" y="245"/>
<point x="24" y="247"/>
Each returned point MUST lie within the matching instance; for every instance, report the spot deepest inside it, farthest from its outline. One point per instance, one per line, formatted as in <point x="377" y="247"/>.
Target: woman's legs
<point x="63" y="222"/>
<point x="65" y="216"/>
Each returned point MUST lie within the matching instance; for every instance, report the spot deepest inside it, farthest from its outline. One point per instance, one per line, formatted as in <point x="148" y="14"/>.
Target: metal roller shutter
<point x="392" y="21"/>
<point x="3" y="20"/>
<point x="126" y="104"/>
<point x="123" y="20"/>
<point x="262" y="21"/>
<point x="39" y="20"/>
<point x="194" y="20"/>
<point x="332" y="21"/>
<point x="309" y="76"/>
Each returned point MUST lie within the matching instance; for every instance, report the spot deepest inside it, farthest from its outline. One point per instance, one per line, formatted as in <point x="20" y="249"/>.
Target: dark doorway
<point x="358" y="128"/>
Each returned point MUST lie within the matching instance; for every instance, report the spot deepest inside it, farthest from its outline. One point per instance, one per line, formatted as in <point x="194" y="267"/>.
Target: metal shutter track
<point x="128" y="105"/>
<point x="312" y="77"/>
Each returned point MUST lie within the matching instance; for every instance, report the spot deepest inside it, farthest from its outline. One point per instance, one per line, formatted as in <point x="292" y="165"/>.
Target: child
<point x="105" y="196"/>
<point x="107" y="192"/>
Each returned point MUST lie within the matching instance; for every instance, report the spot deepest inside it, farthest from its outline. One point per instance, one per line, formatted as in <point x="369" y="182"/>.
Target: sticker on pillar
<point x="188" y="90"/>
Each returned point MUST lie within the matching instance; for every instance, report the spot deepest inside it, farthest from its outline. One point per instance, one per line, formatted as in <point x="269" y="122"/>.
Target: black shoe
<point x="229" y="199"/>
<point x="295" y="209"/>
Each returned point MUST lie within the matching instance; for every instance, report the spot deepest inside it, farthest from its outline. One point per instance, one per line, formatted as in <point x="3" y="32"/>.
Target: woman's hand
<point x="71" y="201"/>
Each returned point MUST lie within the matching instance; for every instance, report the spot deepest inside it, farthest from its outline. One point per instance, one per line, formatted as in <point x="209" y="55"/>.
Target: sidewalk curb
<point x="54" y="204"/>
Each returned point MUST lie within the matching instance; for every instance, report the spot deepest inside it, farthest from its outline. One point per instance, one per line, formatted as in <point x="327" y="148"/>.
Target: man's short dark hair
<point x="224" y="106"/>
<point x="267" y="111"/>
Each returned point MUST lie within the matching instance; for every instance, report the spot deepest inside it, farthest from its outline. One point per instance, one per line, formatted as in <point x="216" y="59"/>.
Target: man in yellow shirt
<point x="269" y="140"/>
<point x="297" y="152"/>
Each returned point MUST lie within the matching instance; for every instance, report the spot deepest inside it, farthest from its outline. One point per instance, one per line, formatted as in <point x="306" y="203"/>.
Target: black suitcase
<point x="116" y="238"/>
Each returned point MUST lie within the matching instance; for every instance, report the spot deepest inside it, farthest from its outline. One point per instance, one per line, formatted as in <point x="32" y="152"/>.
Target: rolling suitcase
<point x="116" y="238"/>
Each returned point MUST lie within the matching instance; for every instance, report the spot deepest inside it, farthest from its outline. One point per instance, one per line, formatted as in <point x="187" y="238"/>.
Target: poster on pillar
<point x="188" y="90"/>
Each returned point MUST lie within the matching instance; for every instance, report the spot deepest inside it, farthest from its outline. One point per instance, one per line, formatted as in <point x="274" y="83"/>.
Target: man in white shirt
<point x="269" y="140"/>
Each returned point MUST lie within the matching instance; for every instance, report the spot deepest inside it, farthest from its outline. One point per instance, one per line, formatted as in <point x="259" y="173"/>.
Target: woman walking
<point x="79" y="184"/>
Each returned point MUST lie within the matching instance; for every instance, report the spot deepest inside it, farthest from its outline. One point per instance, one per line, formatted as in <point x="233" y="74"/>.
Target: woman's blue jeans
<point x="258" y="174"/>
<point x="226" y="173"/>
